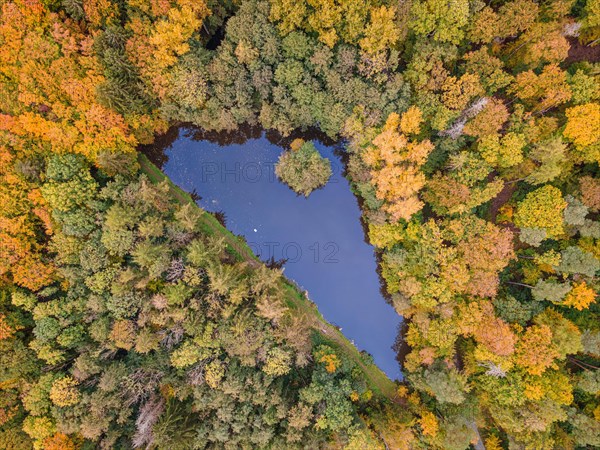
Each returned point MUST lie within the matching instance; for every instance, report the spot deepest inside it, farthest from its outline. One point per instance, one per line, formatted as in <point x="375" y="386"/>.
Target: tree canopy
<point x="472" y="137"/>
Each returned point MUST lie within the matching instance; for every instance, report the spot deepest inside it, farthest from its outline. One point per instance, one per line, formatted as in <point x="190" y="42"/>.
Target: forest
<point x="128" y="317"/>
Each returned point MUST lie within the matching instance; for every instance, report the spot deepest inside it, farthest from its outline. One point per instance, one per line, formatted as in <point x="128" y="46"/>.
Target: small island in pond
<point x="302" y="168"/>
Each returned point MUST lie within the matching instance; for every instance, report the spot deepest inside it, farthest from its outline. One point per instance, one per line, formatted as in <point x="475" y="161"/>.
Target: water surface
<point x="321" y="236"/>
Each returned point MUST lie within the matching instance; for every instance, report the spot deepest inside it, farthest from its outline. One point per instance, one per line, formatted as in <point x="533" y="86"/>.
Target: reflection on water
<point x="318" y="240"/>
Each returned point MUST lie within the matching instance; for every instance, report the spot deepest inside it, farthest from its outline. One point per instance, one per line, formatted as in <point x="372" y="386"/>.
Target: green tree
<point x="443" y="21"/>
<point x="574" y="260"/>
<point x="446" y="385"/>
<point x="505" y="152"/>
<point x="542" y="209"/>
<point x="303" y="169"/>
<point x="550" y="155"/>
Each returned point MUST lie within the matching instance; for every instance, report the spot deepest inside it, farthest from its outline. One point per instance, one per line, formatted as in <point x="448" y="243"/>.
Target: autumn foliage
<point x="395" y="161"/>
<point x="472" y="136"/>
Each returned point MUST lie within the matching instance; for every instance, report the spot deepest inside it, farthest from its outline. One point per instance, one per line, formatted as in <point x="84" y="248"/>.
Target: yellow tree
<point x="542" y="209"/>
<point x="64" y="392"/>
<point x="411" y="120"/>
<point x="495" y="334"/>
<point x="368" y="23"/>
<point x="580" y="297"/>
<point x="59" y="441"/>
<point x="382" y="32"/>
<point x="583" y="128"/>
<point x="395" y="166"/>
<point x="543" y="43"/>
<point x="489" y="121"/>
<point x="439" y="20"/>
<point x="289" y="14"/>
<point x="484" y="27"/>
<point x="544" y="91"/>
<point x="535" y="351"/>
<point x="502" y="152"/>
<point x="156" y="48"/>
<point x="458" y="92"/>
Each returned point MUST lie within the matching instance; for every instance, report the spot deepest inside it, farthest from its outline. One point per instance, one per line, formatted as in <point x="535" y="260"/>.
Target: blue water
<point x="320" y="236"/>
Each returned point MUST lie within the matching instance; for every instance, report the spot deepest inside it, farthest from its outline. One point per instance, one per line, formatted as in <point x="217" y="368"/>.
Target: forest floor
<point x="297" y="299"/>
<point x="580" y="52"/>
<point x="500" y="200"/>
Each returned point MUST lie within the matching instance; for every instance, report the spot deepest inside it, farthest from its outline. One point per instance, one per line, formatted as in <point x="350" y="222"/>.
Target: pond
<point x="320" y="238"/>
